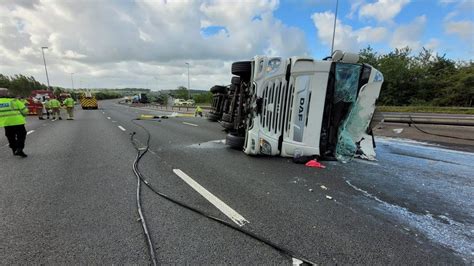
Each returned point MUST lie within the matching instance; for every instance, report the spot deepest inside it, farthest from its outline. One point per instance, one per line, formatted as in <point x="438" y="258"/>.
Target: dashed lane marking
<point x="29" y="132"/>
<point x="219" y="204"/>
<point x="121" y="128"/>
<point x="108" y="117"/>
<point x="190" y="124"/>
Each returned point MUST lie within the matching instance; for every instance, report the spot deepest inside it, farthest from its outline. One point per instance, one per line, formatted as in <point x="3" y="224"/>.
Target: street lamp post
<point x="45" y="69"/>
<point x="189" y="86"/>
<point x="334" y="28"/>
<point x="72" y="81"/>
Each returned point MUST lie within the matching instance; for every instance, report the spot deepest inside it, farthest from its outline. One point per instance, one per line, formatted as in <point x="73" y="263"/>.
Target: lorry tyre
<point x="219" y="89"/>
<point x="213" y="117"/>
<point x="235" y="81"/>
<point x="234" y="141"/>
<point x="242" y="69"/>
<point x="226" y="117"/>
<point x="227" y="125"/>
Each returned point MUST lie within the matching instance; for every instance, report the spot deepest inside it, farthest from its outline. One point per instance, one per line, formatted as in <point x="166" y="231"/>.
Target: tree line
<point x="423" y="79"/>
<point x="22" y="85"/>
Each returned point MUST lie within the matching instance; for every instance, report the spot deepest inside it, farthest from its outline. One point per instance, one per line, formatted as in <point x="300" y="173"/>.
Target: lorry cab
<point x="303" y="107"/>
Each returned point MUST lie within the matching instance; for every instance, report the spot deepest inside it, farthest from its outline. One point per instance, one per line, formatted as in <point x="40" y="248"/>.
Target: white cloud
<point x="451" y="15"/>
<point x="382" y="10"/>
<point x="409" y="34"/>
<point x="446" y="2"/>
<point x="463" y="29"/>
<point x="355" y="5"/>
<point x="113" y="41"/>
<point x="432" y="44"/>
<point x="346" y="38"/>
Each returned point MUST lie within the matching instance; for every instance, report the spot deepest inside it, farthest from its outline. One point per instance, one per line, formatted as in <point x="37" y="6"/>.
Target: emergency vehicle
<point x="36" y="99"/>
<point x="88" y="100"/>
<point x="299" y="106"/>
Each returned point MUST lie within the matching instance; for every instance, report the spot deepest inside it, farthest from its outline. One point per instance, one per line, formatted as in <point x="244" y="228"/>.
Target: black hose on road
<point x="282" y="250"/>
<point x="137" y="173"/>
<point x="434" y="134"/>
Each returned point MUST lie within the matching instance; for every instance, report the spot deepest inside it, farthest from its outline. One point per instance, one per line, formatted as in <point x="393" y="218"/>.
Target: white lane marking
<point x="121" y="128"/>
<point x="224" y="208"/>
<point x="29" y="132"/>
<point x="186" y="123"/>
<point x="296" y="262"/>
<point x="152" y="152"/>
<point x="108" y="117"/>
<point x="113" y="121"/>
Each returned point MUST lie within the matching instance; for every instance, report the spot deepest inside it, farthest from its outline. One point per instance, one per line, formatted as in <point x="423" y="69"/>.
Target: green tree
<point x="4" y="81"/>
<point x="397" y="88"/>
<point x="181" y="93"/>
<point x="369" y="56"/>
<point x="204" y="97"/>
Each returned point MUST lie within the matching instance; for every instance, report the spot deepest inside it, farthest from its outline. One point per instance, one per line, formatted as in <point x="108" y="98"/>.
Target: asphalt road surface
<point x="73" y="199"/>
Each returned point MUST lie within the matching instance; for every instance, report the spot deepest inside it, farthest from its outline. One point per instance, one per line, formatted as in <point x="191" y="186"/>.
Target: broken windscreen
<point x="345" y="92"/>
<point x="347" y="82"/>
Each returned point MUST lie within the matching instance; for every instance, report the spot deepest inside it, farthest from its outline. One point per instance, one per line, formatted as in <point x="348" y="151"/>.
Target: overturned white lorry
<point x="303" y="107"/>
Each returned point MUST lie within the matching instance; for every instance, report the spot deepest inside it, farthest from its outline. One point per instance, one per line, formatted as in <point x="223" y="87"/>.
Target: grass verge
<point x="427" y="109"/>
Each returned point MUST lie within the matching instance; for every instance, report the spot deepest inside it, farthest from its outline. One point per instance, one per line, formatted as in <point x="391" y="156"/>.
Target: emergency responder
<point x="47" y="106"/>
<point x="40" y="109"/>
<point x="55" y="106"/>
<point x="198" y="111"/>
<point x="12" y="118"/>
<point x="69" y="103"/>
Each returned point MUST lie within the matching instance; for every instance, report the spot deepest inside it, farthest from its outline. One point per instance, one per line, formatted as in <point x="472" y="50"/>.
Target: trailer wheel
<point x="227" y="125"/>
<point x="219" y="89"/>
<point x="234" y="141"/>
<point x="213" y="117"/>
<point x="226" y="117"/>
<point x="242" y="69"/>
<point x="235" y="81"/>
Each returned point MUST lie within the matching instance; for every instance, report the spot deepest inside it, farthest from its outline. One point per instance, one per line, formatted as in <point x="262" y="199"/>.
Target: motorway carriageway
<point x="73" y="198"/>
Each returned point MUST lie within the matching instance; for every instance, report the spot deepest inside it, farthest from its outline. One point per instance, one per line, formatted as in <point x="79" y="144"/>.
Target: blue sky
<point x="298" y="14"/>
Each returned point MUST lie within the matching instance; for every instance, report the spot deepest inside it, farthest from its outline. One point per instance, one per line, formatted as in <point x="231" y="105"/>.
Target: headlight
<point x="273" y="65"/>
<point x="265" y="147"/>
<point x="378" y="77"/>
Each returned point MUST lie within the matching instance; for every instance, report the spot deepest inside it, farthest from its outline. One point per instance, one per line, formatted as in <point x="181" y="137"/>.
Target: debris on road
<point x="310" y="190"/>
<point x="151" y="117"/>
<point x="324" y="187"/>
<point x="315" y="164"/>
<point x="302" y="159"/>
<point x="397" y="130"/>
<point x="328" y="197"/>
